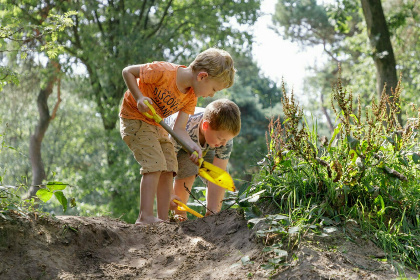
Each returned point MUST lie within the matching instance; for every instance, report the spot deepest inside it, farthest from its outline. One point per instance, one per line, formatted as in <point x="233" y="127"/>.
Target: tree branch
<point x="99" y="24"/>
<point x="159" y="25"/>
<point x="143" y="7"/>
<point x="146" y="19"/>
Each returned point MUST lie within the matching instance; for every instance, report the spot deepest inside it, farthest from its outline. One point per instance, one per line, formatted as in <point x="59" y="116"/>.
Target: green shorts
<point x="186" y="167"/>
<point x="150" y="145"/>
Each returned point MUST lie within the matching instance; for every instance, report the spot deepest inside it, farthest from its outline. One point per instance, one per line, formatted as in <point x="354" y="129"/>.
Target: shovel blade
<point x="216" y="175"/>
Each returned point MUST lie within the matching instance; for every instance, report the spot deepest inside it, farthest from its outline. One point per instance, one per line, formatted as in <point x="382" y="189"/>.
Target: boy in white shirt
<point x="213" y="129"/>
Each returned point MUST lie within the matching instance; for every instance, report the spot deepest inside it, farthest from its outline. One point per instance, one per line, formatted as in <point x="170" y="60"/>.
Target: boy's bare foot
<point x="208" y="213"/>
<point x="147" y="221"/>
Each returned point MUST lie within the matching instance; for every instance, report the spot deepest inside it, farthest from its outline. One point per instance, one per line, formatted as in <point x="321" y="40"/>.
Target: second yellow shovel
<point x="183" y="207"/>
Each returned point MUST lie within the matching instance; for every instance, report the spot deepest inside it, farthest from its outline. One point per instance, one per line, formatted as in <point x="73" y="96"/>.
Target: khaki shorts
<point x="150" y="145"/>
<point x="187" y="168"/>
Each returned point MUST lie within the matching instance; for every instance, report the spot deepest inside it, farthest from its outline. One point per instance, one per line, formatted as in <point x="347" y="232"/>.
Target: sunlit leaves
<point x="7" y="76"/>
<point x="54" y="188"/>
<point x="20" y="35"/>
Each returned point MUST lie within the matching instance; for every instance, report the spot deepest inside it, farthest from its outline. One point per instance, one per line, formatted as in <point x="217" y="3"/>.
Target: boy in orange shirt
<point x="170" y="88"/>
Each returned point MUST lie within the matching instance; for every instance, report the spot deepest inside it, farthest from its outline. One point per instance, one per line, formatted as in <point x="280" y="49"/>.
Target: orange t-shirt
<point x="157" y="81"/>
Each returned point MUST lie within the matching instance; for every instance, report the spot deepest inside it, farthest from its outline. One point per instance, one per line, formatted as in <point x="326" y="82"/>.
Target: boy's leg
<point x="148" y="187"/>
<point x="154" y="151"/>
<point x="141" y="138"/>
<point x="164" y="191"/>
<point x="214" y="198"/>
<point x="215" y="194"/>
<point x="180" y="190"/>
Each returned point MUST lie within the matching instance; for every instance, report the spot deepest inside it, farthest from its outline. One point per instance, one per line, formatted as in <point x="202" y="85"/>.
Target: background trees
<point x="82" y="145"/>
<point x="344" y="30"/>
<point x="25" y="34"/>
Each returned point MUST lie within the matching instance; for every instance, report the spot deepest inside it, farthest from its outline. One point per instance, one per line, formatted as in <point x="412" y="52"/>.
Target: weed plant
<point x="368" y="171"/>
<point x="10" y="199"/>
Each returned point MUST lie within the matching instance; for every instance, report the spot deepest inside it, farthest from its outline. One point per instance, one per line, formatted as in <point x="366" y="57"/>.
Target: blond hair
<point x="217" y="63"/>
<point x="223" y="114"/>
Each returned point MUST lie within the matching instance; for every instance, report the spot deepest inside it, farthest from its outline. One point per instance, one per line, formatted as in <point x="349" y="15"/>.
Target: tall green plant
<point x="368" y="170"/>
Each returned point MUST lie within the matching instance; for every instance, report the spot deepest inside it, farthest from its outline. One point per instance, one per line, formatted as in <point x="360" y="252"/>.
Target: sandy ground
<point x="217" y="247"/>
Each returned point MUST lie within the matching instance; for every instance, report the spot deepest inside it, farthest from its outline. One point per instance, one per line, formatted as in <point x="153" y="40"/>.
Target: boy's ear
<point x="202" y="75"/>
<point x="205" y="125"/>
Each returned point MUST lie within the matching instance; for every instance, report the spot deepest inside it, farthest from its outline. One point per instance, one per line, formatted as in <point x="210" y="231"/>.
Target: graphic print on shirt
<point x="164" y="100"/>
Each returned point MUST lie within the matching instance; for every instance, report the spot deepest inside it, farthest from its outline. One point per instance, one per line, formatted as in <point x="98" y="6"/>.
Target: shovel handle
<point x="160" y="121"/>
<point x="175" y="136"/>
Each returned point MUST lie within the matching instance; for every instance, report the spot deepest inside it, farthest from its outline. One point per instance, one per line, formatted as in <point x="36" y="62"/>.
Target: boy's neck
<point x="184" y="79"/>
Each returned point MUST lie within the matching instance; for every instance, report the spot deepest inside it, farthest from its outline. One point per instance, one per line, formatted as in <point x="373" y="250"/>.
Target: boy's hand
<point x="173" y="205"/>
<point x="194" y="157"/>
<point x="141" y="105"/>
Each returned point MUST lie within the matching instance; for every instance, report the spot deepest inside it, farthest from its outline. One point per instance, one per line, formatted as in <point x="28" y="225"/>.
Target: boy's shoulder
<point x="164" y="65"/>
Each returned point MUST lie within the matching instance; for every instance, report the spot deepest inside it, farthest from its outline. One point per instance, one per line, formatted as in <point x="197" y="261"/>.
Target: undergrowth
<point x="368" y="171"/>
<point x="12" y="197"/>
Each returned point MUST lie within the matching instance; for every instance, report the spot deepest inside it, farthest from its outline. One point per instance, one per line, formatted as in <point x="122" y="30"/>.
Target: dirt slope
<point x="71" y="247"/>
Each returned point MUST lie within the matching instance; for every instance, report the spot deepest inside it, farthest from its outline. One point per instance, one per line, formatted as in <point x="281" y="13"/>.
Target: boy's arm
<point x="215" y="194"/>
<point x="180" y="130"/>
<point x="130" y="75"/>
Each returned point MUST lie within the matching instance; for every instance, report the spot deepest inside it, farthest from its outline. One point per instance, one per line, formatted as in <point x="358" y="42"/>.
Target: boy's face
<point x="205" y="86"/>
<point x="216" y="138"/>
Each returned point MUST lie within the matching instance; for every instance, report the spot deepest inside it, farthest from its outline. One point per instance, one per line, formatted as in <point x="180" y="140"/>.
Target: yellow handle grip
<point x="154" y="116"/>
<point x="183" y="207"/>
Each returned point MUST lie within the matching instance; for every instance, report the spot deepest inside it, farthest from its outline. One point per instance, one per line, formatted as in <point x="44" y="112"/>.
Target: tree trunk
<point x="38" y="170"/>
<point x="383" y="54"/>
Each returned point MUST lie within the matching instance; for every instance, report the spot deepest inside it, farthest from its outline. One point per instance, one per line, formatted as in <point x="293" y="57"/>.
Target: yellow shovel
<point x="206" y="170"/>
<point x="183" y="207"/>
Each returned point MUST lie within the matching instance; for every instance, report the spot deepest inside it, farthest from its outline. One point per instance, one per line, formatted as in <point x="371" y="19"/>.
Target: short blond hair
<point x="217" y="63"/>
<point x="223" y="114"/>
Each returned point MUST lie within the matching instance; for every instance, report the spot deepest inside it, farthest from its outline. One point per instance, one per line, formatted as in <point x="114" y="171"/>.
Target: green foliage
<point x="368" y="171"/>
<point x="250" y="83"/>
<point x="76" y="152"/>
<point x="10" y="200"/>
<point x="22" y="34"/>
